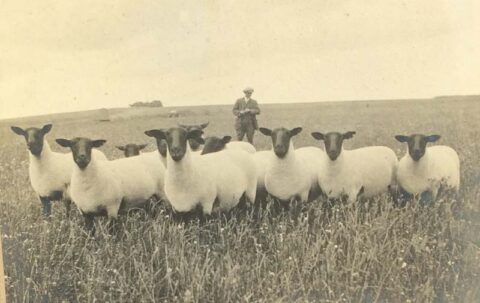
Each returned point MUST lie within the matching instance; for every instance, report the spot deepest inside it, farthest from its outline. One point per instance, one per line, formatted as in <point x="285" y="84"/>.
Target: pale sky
<point x="58" y="55"/>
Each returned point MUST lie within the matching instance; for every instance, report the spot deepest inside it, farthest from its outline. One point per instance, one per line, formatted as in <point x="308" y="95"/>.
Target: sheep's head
<point x="214" y="144"/>
<point x="81" y="149"/>
<point x="281" y="138"/>
<point x="34" y="137"/>
<point x="333" y="142"/>
<point x="176" y="139"/>
<point x="417" y="143"/>
<point x="194" y="143"/>
<point x="131" y="150"/>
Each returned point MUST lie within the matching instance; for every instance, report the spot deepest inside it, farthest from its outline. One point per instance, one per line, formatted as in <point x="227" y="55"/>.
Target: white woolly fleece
<point x="372" y="168"/>
<point x="51" y="171"/>
<point x="440" y="166"/>
<point x="108" y="183"/>
<point x="295" y="174"/>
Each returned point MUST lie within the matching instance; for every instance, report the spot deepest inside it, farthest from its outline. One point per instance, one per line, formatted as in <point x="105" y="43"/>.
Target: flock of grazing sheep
<point x="201" y="176"/>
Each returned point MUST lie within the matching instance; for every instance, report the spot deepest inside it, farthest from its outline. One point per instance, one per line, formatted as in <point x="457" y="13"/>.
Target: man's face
<point x="248" y="94"/>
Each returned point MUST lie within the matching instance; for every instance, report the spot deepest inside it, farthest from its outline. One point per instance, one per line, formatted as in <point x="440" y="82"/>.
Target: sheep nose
<point x="82" y="157"/>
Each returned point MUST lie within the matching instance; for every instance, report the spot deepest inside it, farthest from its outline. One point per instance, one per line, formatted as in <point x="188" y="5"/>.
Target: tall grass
<point x="363" y="252"/>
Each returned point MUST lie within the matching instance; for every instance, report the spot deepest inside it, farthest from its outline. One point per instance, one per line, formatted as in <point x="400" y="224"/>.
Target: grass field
<point x="359" y="254"/>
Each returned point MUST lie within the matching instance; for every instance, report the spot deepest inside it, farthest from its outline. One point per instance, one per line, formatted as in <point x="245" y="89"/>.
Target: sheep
<point x="365" y="172"/>
<point x="427" y="169"/>
<point x="130" y="150"/>
<point x="195" y="145"/>
<point x="195" y="182"/>
<point x="290" y="173"/>
<point x="106" y="187"/>
<point x="236" y="179"/>
<point x="154" y="159"/>
<point x="214" y="144"/>
<point x="49" y="171"/>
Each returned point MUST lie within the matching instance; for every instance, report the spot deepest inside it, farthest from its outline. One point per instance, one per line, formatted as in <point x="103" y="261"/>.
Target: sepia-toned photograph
<point x="240" y="151"/>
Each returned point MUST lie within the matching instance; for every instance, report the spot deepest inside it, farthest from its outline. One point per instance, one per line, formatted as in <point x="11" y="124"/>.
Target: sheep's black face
<point x="81" y="149"/>
<point x="281" y="142"/>
<point x="159" y="136"/>
<point x="417" y="144"/>
<point x="333" y="142"/>
<point x="177" y="143"/>
<point x="176" y="139"/>
<point x="34" y="137"/>
<point x="215" y="144"/>
<point x="131" y="150"/>
<point x="281" y="139"/>
<point x="194" y="144"/>
<point x="333" y="145"/>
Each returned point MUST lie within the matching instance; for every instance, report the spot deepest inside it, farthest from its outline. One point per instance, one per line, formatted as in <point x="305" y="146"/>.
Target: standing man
<point x="246" y="109"/>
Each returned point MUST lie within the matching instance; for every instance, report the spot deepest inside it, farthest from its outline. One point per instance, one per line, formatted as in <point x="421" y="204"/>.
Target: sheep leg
<point x="260" y="203"/>
<point x="435" y="191"/>
<point x="152" y="205"/>
<point x="403" y="197"/>
<point x="360" y="193"/>
<point x="197" y="213"/>
<point x="393" y="191"/>
<point x="178" y="217"/>
<point x="113" y="226"/>
<point x="242" y="203"/>
<point x="427" y="197"/>
<point x="327" y="211"/>
<point x="89" y="223"/>
<point x="68" y="206"/>
<point x="46" y="206"/>
<point x="296" y="208"/>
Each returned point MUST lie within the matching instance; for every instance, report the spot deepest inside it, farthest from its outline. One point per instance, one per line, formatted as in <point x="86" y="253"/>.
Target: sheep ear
<point x="432" y="138"/>
<point x="162" y="148"/>
<point x="122" y="148"/>
<point x="348" y="135"/>
<point x="226" y="139"/>
<point x="265" y="131"/>
<point x="318" y="135"/>
<point x="142" y="146"/>
<point x="196" y="135"/>
<point x="19" y="131"/>
<point x="402" y="138"/>
<point x="98" y="143"/>
<point x="295" y="131"/>
<point x="46" y="128"/>
<point x="204" y="125"/>
<point x="200" y="140"/>
<point x="156" y="133"/>
<point x="64" y="142"/>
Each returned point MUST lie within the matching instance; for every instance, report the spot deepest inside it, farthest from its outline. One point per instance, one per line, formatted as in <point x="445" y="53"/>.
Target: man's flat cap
<point x="248" y="90"/>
